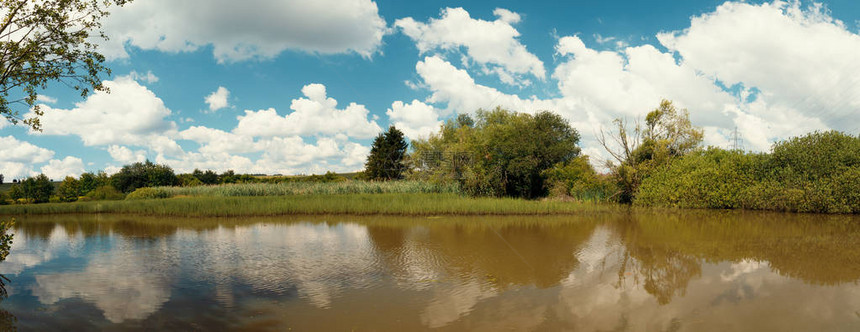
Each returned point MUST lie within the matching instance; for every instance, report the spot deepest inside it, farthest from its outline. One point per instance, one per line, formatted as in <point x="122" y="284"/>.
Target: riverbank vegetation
<point x="504" y="155"/>
<point x="353" y="204"/>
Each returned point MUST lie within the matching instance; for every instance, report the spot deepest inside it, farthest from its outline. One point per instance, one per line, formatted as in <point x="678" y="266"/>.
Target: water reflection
<point x="631" y="270"/>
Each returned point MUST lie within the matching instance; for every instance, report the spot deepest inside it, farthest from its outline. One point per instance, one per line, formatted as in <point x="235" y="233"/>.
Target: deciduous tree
<point x="49" y="40"/>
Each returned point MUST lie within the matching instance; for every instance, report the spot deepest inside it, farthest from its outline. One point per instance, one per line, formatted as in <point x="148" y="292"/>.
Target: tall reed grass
<point x="303" y="188"/>
<point x="419" y="204"/>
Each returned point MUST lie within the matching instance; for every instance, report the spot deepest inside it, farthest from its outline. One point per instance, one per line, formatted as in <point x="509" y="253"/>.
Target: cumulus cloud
<point x="17" y="157"/>
<point x="13" y="150"/>
<point x="147" y="77"/>
<point x="802" y="61"/>
<point x="130" y="114"/>
<point x="125" y="155"/>
<point x="492" y="44"/>
<point x="218" y="99"/>
<point x="59" y="169"/>
<point x="242" y="30"/>
<point x="316" y="114"/>
<point x="45" y="100"/>
<point x="416" y="119"/>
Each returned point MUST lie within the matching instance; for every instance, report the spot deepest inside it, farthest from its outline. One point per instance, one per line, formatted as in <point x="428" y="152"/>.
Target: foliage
<point x="1" y="178"/>
<point x="207" y="177"/>
<point x="149" y="193"/>
<point x="668" y="133"/>
<point x="69" y="190"/>
<point x="105" y="193"/>
<point x="577" y="179"/>
<point x="313" y="188"/>
<point x="89" y="182"/>
<point x="818" y="172"/>
<point x="49" y="40"/>
<point x="6" y="237"/>
<point x="33" y="190"/>
<point x="413" y="204"/>
<point x="145" y="174"/>
<point x="15" y="192"/>
<point x="503" y="153"/>
<point x="386" y="158"/>
<point x="188" y="180"/>
<point x="5" y="245"/>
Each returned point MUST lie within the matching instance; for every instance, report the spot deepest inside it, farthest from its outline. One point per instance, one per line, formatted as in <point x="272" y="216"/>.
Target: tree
<point x="503" y="153"/>
<point x="69" y="190"/>
<point x="139" y="175"/>
<point x="89" y="182"/>
<point x="668" y="133"/>
<point x="49" y="40"/>
<point x="207" y="177"/>
<point x="386" y="159"/>
<point x="37" y="189"/>
<point x="1" y="178"/>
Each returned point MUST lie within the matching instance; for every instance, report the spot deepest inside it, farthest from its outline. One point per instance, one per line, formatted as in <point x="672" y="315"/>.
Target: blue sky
<point x="300" y="87"/>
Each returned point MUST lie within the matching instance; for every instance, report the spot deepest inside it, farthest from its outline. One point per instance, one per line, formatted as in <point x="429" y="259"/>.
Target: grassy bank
<point x="355" y="204"/>
<point x="299" y="188"/>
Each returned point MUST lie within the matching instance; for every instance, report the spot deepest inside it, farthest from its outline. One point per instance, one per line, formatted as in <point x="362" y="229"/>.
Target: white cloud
<point x="316" y="114"/>
<point x="280" y="155"/>
<point x="802" y="60"/>
<point x="219" y="141"/>
<point x="45" y="100"/>
<point x="125" y="155"/>
<point x="59" y="169"/>
<point x="129" y="115"/>
<point x="416" y="120"/>
<point x="242" y="30"/>
<point x="13" y="150"/>
<point x="17" y="158"/>
<point x="488" y="43"/>
<point x="147" y="77"/>
<point x="218" y="99"/>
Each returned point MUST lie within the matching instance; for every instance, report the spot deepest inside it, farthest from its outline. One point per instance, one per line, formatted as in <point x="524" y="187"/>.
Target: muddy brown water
<point x="628" y="270"/>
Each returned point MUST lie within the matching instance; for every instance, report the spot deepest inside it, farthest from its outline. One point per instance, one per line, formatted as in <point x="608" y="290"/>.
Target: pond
<point x="631" y="270"/>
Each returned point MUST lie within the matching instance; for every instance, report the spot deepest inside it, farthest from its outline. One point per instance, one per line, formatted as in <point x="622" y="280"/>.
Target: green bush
<point x="105" y="193"/>
<point x="818" y="172"/>
<point x="147" y="174"/>
<point x="578" y="180"/>
<point x="149" y="193"/>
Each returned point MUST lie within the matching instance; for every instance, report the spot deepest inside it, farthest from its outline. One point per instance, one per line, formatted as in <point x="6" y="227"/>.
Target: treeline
<point x="656" y="163"/>
<point x="99" y="186"/>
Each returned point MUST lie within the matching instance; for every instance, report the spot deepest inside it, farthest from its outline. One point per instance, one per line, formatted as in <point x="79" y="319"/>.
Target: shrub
<point x="818" y="172"/>
<point x="36" y="189"/>
<point x="149" y="193"/>
<point x="105" y="193"/>
<point x="139" y="175"/>
<point x="69" y="190"/>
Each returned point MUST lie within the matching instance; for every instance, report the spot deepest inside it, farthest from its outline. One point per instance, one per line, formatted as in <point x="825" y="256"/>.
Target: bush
<point x="149" y="193"/>
<point x="69" y="190"/>
<point x="502" y="154"/>
<point x="105" y="193"/>
<point x="578" y="180"/>
<point x="35" y="189"/>
<point x="818" y="172"/>
<point x="139" y="175"/>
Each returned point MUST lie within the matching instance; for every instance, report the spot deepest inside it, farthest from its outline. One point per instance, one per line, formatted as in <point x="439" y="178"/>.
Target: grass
<point x="415" y="204"/>
<point x="310" y="188"/>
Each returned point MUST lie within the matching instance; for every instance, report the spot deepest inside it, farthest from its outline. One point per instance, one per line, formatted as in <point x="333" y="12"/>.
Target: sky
<point x="303" y="87"/>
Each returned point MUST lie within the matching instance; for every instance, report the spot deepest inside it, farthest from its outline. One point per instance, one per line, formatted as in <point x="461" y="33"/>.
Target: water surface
<point x="621" y="271"/>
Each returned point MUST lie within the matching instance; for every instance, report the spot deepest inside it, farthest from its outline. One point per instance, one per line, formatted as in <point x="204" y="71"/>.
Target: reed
<point x="310" y="188"/>
<point x="419" y="204"/>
